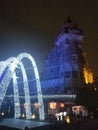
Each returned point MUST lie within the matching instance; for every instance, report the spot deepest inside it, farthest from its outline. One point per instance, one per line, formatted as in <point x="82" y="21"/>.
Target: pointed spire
<point x="71" y="27"/>
<point x="69" y="20"/>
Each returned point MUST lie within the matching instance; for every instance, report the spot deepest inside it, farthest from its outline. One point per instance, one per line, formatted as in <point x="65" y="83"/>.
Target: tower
<point x="66" y="68"/>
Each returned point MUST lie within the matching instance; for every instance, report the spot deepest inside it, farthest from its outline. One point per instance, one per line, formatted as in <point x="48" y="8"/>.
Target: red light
<point x="62" y="105"/>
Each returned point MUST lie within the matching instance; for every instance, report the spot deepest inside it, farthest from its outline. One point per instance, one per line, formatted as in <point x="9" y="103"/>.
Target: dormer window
<point x="74" y="57"/>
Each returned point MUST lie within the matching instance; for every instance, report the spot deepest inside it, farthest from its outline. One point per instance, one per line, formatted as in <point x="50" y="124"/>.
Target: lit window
<point x="52" y="105"/>
<point x="62" y="105"/>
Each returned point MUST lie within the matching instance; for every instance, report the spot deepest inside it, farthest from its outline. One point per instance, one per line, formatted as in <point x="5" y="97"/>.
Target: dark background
<point x="32" y="26"/>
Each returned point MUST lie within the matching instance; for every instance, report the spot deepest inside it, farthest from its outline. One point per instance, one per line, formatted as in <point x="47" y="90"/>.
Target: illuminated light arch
<point x="10" y="74"/>
<point x="13" y="63"/>
<point x="2" y="67"/>
<point x="26" y="90"/>
<point x="38" y="85"/>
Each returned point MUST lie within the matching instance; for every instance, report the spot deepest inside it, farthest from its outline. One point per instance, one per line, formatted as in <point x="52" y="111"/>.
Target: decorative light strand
<point x="13" y="63"/>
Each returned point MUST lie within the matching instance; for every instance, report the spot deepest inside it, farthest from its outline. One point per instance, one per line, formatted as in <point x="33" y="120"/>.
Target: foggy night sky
<point x="32" y="26"/>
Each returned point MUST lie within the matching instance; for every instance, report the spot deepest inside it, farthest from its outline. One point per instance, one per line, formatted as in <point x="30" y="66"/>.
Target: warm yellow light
<point x="62" y="105"/>
<point x="33" y="116"/>
<point x="88" y="76"/>
<point x="67" y="119"/>
<point x="95" y="89"/>
<point x="53" y="105"/>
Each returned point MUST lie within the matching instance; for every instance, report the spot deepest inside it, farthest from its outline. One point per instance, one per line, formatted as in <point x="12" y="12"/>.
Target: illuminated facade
<point x="65" y="67"/>
<point x="65" y="70"/>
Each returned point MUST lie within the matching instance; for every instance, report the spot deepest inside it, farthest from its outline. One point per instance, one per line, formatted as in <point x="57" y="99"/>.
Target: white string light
<point x="13" y="63"/>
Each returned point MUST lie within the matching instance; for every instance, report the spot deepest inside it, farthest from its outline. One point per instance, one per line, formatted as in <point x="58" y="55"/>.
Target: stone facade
<point x="64" y="65"/>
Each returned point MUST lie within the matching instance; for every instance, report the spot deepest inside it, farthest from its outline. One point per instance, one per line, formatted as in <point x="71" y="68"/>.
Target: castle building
<point x="66" y="68"/>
